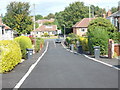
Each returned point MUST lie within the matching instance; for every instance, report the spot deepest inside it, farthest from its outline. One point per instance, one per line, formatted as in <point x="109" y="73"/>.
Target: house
<point x="6" y="33"/>
<point x="49" y="29"/>
<point x="80" y="28"/>
<point x="115" y="18"/>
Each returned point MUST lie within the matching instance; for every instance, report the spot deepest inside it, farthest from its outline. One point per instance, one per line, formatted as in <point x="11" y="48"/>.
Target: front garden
<point x="13" y="51"/>
<point x="100" y="30"/>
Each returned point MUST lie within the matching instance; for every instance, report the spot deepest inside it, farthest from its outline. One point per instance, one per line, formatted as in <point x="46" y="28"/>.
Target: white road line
<point x="101" y="62"/>
<point x="31" y="68"/>
<point x="54" y="43"/>
<point x="94" y="59"/>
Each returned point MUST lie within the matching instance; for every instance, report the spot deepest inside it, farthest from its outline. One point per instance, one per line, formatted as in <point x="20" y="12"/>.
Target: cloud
<point x="44" y="7"/>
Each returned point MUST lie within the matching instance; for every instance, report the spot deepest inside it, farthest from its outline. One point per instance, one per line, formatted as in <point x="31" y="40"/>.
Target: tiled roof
<point x="83" y="23"/>
<point x="116" y="14"/>
<point x="5" y="26"/>
<point x="47" y="28"/>
<point x="45" y="20"/>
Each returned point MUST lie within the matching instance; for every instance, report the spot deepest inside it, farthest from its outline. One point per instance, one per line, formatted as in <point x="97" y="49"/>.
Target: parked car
<point x="57" y="41"/>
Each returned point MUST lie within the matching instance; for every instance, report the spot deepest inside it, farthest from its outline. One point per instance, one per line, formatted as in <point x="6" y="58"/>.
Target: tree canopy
<point x="114" y="9"/>
<point x="37" y="17"/>
<point x="74" y="13"/>
<point x="49" y="16"/>
<point x="17" y="17"/>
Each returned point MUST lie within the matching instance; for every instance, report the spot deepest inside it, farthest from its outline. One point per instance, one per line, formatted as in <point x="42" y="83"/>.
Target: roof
<point x="83" y="23"/>
<point x="47" y="28"/>
<point x="116" y="14"/>
<point x="45" y="20"/>
<point x="5" y="26"/>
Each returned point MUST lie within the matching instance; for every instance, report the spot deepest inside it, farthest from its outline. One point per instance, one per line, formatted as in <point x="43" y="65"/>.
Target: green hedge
<point x="24" y="43"/>
<point x="39" y="44"/>
<point x="10" y="55"/>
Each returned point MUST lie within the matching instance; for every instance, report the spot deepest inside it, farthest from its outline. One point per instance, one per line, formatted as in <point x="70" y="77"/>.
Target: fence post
<point x="110" y="48"/>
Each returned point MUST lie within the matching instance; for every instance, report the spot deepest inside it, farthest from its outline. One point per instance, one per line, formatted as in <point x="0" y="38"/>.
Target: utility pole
<point x="92" y="12"/>
<point x="34" y="16"/>
<point x="89" y="13"/>
<point x="64" y="32"/>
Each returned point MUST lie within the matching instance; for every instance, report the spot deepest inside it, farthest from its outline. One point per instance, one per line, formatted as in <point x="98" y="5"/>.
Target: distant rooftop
<point x="84" y="22"/>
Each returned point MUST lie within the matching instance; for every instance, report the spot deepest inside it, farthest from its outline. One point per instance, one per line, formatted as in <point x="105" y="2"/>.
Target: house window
<point x="82" y="29"/>
<point x="48" y="26"/>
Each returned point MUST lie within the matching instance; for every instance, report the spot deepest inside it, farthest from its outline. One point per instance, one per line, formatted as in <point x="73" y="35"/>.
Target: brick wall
<point x="117" y="49"/>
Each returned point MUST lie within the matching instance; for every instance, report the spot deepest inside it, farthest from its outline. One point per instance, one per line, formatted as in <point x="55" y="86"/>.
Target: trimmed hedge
<point x="24" y="43"/>
<point x="10" y="55"/>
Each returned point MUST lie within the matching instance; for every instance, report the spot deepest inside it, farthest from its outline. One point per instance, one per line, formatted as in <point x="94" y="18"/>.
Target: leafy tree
<point x="97" y="11"/>
<point x="50" y="16"/>
<point x="99" y="31"/>
<point x="74" y="13"/>
<point x="36" y="25"/>
<point x="114" y="9"/>
<point x="37" y="17"/>
<point x="17" y="17"/>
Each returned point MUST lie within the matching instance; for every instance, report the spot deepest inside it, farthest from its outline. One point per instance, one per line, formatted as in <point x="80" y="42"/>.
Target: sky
<point x="44" y="7"/>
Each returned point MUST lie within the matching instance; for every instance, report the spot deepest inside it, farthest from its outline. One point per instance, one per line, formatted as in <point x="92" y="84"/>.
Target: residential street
<point x="62" y="69"/>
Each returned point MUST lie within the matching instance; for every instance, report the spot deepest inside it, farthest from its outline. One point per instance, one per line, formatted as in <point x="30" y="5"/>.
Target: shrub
<point x="98" y="37"/>
<point x="10" y="55"/>
<point x="39" y="44"/>
<point x="24" y="43"/>
<point x="46" y="35"/>
<point x="103" y="24"/>
<point x="99" y="31"/>
<point x="68" y="40"/>
<point x="84" y="42"/>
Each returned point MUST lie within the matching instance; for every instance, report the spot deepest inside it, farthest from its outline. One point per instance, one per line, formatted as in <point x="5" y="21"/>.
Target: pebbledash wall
<point x="117" y="49"/>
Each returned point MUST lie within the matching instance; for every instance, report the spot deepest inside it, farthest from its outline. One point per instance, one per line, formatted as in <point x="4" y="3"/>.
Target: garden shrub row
<point x="24" y="43"/>
<point x="10" y="55"/>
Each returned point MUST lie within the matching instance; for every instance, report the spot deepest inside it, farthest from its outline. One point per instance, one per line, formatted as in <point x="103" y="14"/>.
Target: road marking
<point x="93" y="59"/>
<point x="31" y="68"/>
<point x="54" y="43"/>
<point x="101" y="62"/>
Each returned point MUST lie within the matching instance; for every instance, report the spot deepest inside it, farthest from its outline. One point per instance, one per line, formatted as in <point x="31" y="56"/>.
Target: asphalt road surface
<point x="60" y="68"/>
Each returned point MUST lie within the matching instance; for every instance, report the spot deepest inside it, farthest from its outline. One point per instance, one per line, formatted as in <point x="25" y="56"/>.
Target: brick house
<point x="115" y="18"/>
<point x="80" y="28"/>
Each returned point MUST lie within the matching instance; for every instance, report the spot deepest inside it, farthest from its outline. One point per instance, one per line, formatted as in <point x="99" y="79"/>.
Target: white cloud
<point x="46" y="6"/>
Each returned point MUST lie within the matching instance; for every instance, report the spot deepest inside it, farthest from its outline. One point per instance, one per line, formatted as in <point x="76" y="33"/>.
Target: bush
<point x="46" y="35"/>
<point x="84" y="42"/>
<point x="99" y="31"/>
<point x="68" y="40"/>
<point x="24" y="43"/>
<point x="103" y="24"/>
<point x="98" y="37"/>
<point x="10" y="55"/>
<point x="39" y="44"/>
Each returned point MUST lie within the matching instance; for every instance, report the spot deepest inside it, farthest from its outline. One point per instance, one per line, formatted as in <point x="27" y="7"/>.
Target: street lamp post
<point x="64" y="32"/>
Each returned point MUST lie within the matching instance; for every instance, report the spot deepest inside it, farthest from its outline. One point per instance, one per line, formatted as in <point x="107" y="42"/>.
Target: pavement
<point x="115" y="62"/>
<point x="10" y="79"/>
<point x="59" y="68"/>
